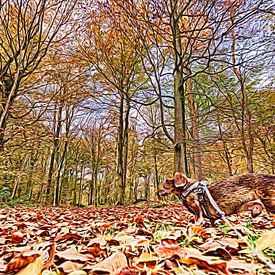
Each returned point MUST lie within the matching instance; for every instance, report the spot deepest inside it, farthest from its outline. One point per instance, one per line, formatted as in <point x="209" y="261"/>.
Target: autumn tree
<point x="194" y="33"/>
<point x="27" y="30"/>
<point x="116" y="65"/>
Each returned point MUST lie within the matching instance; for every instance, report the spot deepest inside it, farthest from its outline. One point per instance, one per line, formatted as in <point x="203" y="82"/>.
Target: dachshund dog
<point x="248" y="192"/>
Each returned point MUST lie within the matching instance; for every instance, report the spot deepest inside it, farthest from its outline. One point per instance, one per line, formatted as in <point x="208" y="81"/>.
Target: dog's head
<point x="174" y="185"/>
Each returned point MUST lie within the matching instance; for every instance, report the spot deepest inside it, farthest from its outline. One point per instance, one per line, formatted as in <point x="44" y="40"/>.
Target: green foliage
<point x="5" y="193"/>
<point x="224" y="228"/>
<point x="252" y="234"/>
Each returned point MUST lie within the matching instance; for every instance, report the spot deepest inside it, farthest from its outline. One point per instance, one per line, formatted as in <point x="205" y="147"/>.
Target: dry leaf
<point x="72" y="254"/>
<point x="266" y="240"/>
<point x="168" y="248"/>
<point x="147" y="257"/>
<point x="112" y="264"/>
<point x="21" y="261"/>
<point x="69" y="266"/>
<point x="33" y="268"/>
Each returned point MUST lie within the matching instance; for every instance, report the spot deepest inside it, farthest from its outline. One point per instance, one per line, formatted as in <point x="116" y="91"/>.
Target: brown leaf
<point x="195" y="258"/>
<point x="21" y="261"/>
<point x="68" y="236"/>
<point x="95" y="250"/>
<point x="113" y="264"/>
<point x="17" y="236"/>
<point x="51" y="255"/>
<point x="215" y="249"/>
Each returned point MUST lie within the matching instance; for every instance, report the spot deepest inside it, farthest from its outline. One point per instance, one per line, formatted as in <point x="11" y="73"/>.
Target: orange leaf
<point x="195" y="258"/>
<point x="168" y="248"/>
<point x="33" y="268"/>
<point x="95" y="250"/>
<point x="21" y="261"/>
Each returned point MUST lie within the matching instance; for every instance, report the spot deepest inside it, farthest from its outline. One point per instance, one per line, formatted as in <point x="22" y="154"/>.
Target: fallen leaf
<point x="50" y="256"/>
<point x="113" y="264"/>
<point x="33" y="268"/>
<point x="69" y="266"/>
<point x="211" y="264"/>
<point x="241" y="266"/>
<point x="21" y="261"/>
<point x="147" y="257"/>
<point x="72" y="254"/>
<point x="17" y="236"/>
<point x="266" y="240"/>
<point x="167" y="248"/>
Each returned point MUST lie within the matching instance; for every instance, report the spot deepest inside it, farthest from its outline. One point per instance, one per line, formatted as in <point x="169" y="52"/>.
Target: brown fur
<point x="247" y="192"/>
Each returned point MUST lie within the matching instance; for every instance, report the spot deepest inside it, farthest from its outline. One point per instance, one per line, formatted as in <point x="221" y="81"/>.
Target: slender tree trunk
<point x="33" y="160"/>
<point x="227" y="154"/>
<point x="147" y="187"/>
<point x="57" y="190"/>
<point x="15" y="187"/>
<point x="120" y="152"/>
<point x="56" y="143"/>
<point x="246" y="116"/>
<point x="194" y="131"/>
<point x="122" y="145"/>
<point x="157" y="183"/>
<point x="80" y="192"/>
<point x="180" y="147"/>
<point x="75" y="185"/>
<point x="57" y="185"/>
<point x="8" y="91"/>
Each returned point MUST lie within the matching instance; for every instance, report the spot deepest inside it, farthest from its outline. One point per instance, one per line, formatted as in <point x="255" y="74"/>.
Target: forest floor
<point x="146" y="238"/>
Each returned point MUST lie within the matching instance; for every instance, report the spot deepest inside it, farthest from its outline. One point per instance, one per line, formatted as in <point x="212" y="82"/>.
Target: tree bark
<point x="194" y="131"/>
<point x="122" y="146"/>
<point x="246" y="116"/>
<point x="180" y="145"/>
<point x="55" y="149"/>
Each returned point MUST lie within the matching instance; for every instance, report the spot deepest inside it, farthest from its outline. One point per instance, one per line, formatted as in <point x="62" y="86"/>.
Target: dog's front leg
<point x="194" y="207"/>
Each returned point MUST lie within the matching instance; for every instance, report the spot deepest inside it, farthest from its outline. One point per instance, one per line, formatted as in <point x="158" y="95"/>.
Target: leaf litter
<point x="149" y="238"/>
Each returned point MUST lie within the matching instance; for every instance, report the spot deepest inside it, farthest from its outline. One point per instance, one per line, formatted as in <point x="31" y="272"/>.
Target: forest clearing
<point x="105" y="105"/>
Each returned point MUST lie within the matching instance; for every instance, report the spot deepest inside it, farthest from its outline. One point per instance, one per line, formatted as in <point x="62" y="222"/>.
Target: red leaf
<point x="17" y="236"/>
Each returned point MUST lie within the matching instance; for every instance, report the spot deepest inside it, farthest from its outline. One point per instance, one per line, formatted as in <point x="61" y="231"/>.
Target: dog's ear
<point x="180" y="179"/>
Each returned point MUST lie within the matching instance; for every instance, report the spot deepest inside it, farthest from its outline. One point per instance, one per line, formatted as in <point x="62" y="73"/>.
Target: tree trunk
<point x="55" y="149"/>
<point x="57" y="190"/>
<point x="157" y="183"/>
<point x="228" y="158"/>
<point x="194" y="131"/>
<point x="122" y="145"/>
<point x="33" y="160"/>
<point x="80" y="192"/>
<point x="15" y="187"/>
<point x="246" y="116"/>
<point x="180" y="146"/>
<point x="147" y="186"/>
<point x="8" y="88"/>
